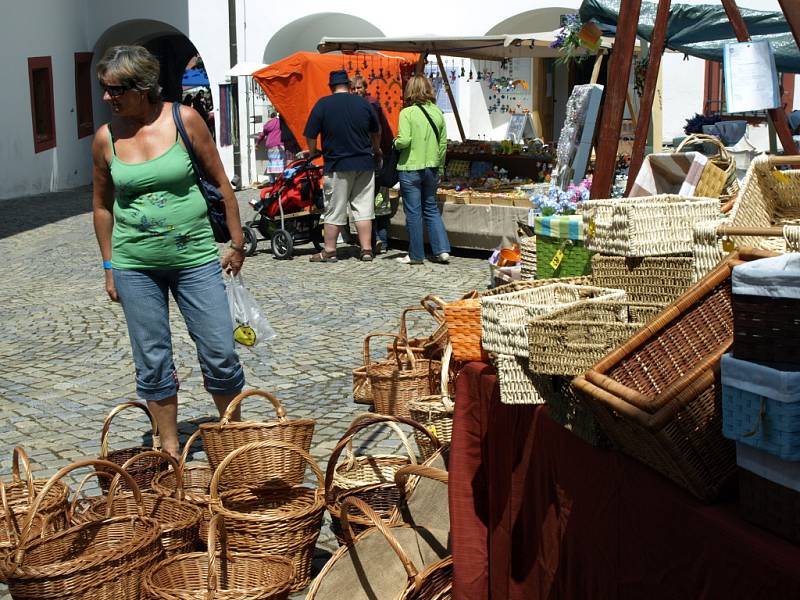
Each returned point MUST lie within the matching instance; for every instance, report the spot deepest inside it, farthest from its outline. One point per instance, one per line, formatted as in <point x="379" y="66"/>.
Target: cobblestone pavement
<point x="65" y="358"/>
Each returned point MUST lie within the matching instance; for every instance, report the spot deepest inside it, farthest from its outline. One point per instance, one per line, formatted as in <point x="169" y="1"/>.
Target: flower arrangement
<point x="561" y="202"/>
<point x="574" y="35"/>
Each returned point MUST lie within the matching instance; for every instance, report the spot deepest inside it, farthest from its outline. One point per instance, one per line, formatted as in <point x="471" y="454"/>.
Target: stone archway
<point x="305" y="33"/>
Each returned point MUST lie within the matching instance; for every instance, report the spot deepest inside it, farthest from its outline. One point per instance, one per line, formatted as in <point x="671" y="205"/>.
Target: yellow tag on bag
<point x="728" y="245"/>
<point x="590" y="231"/>
<point x="556" y="262"/>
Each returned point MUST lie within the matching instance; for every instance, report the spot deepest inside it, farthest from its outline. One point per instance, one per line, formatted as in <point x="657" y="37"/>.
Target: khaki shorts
<point x="355" y="189"/>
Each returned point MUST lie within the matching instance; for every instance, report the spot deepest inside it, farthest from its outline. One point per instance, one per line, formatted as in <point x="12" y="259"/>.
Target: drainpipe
<point x="234" y="58"/>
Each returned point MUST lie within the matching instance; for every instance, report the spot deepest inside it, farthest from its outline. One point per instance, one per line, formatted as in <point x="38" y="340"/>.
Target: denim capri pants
<point x="200" y="295"/>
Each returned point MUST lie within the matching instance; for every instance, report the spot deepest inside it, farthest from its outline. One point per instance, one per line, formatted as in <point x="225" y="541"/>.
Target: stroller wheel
<point x="250" y="240"/>
<point x="282" y="244"/>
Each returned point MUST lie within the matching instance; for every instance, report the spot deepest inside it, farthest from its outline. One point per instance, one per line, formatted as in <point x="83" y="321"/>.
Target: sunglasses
<point x="115" y="91"/>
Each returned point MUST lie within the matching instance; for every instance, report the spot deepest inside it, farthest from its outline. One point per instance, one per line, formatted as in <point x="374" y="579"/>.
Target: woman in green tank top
<point x="152" y="227"/>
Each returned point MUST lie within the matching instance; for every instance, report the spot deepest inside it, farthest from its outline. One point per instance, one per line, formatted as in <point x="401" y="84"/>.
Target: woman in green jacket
<point x="422" y="143"/>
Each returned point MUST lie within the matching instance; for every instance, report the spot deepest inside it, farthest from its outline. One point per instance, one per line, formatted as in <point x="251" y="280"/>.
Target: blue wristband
<point x="107" y="264"/>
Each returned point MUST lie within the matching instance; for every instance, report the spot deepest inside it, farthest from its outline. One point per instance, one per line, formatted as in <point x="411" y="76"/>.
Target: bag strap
<point x="187" y="142"/>
<point x="427" y="116"/>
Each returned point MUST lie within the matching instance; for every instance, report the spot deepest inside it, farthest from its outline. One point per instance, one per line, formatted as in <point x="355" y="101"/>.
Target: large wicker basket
<point x="142" y="471"/>
<point x="269" y="468"/>
<point x="518" y="385"/>
<point x="504" y="317"/>
<point x="658" y="396"/>
<point x="17" y="498"/>
<point x="650" y="279"/>
<point x="220" y="575"/>
<point x="648" y="226"/>
<point x="97" y="560"/>
<point x="285" y="521"/>
<point x="179" y="520"/>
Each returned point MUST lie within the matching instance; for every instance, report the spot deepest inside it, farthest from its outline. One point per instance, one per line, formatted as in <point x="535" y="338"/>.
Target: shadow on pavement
<point x="18" y="215"/>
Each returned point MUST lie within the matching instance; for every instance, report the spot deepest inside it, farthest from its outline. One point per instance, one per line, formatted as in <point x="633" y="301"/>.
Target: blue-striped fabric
<point x="564" y="227"/>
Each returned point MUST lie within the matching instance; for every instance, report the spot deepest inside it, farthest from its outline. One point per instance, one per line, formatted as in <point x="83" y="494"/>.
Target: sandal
<point x="367" y="255"/>
<point x="323" y="256"/>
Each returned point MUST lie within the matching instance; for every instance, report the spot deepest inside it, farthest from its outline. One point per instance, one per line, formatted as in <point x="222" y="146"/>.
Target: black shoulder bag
<point x="427" y="116"/>
<point x="214" y="198"/>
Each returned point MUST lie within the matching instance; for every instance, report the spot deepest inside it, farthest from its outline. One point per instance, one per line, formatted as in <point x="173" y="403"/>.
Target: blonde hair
<point x="419" y="91"/>
<point x="134" y="66"/>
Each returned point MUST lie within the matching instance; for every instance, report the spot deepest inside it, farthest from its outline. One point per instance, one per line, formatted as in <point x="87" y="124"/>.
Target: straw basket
<point x="435" y="413"/>
<point x="647" y="226"/>
<point x="97" y="560"/>
<point x="269" y="468"/>
<point x="196" y="479"/>
<point x="179" y="520"/>
<point x="650" y="279"/>
<point x="518" y="385"/>
<point x="658" y="396"/>
<point x="368" y="477"/>
<point x="281" y="520"/>
<point x="719" y="176"/>
<point x="222" y="575"/>
<point x="17" y="498"/>
<point x="142" y="471"/>
<point x="504" y="317"/>
<point x="397" y="382"/>
<point x="426" y="572"/>
<point x="527" y="250"/>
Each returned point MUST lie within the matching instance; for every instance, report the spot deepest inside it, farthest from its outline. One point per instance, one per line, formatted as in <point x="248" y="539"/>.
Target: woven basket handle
<point x="114" y="412"/>
<point x="76" y="495"/>
<point x="350" y="456"/>
<point x="12" y="526"/>
<point x="361" y="506"/>
<point x="405" y="347"/>
<point x="33" y="511"/>
<point x="18" y="455"/>
<point x="214" y="491"/>
<point x="699" y="138"/>
<point x="276" y="404"/>
<point x="216" y="527"/>
<point x="447" y="356"/>
<point x="403" y="328"/>
<point x="362" y="424"/>
<point x="402" y="475"/>
<point x="179" y="495"/>
<point x="434" y="305"/>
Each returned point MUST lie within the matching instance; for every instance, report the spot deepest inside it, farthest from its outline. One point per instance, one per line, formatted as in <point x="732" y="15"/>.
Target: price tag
<point x="780" y="176"/>
<point x="556" y="262"/>
<point x="432" y="429"/>
<point x="728" y="245"/>
<point x="590" y="231"/>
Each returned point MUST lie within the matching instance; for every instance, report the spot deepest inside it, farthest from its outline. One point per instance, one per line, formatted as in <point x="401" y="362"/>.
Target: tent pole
<point x="423" y="58"/>
<point x="791" y="10"/>
<point x="777" y="115"/>
<point x="598" y="63"/>
<point x="450" y="96"/>
<point x="651" y="81"/>
<point x="614" y="105"/>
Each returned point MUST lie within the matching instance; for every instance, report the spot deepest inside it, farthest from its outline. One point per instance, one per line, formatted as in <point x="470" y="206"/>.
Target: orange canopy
<point x="295" y="83"/>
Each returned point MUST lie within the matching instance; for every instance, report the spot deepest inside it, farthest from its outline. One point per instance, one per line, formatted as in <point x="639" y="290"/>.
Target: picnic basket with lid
<point x="220" y="439"/>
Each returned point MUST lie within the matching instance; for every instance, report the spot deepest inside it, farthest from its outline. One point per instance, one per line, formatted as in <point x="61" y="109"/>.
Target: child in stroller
<point x="288" y="211"/>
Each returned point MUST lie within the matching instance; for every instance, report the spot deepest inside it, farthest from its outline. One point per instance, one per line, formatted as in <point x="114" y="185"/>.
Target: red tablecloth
<point x="538" y="513"/>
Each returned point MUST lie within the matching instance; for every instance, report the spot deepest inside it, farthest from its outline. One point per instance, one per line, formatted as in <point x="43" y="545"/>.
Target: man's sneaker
<point x="442" y="258"/>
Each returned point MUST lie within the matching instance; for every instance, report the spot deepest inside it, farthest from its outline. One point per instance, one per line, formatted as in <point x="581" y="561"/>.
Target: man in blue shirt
<point x="350" y="147"/>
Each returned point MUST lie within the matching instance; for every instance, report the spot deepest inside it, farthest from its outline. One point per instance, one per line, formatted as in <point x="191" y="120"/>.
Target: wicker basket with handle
<point x="435" y="413"/>
<point x="220" y="575"/>
<point x="142" y="471"/>
<point x="97" y="560"/>
<point x="280" y="520"/>
<point x="179" y="520"/>
<point x="195" y="478"/>
<point x="658" y="396"/>
<point x="718" y="181"/>
<point x="220" y="439"/>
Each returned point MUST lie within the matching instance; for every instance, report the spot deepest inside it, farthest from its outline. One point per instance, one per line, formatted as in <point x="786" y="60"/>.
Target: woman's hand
<point x="232" y="261"/>
<point x="111" y="289"/>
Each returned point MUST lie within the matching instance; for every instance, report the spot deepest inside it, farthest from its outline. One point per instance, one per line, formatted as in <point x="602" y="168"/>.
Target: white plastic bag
<point x="250" y="326"/>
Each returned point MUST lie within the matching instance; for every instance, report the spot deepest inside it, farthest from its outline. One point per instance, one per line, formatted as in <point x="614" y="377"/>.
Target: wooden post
<point x="791" y="10"/>
<point x="450" y="96"/>
<point x="598" y="63"/>
<point x="631" y="107"/>
<point x="650" y="83"/>
<point x="423" y="58"/>
<point x="777" y="115"/>
<point x="614" y="105"/>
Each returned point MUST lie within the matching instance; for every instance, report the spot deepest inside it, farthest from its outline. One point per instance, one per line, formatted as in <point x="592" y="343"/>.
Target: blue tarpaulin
<point x="194" y="77"/>
<point x="702" y="30"/>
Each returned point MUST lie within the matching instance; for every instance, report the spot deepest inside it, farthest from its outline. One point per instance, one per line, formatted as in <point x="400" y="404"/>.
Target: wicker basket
<point x="658" y="397"/>
<point x="80" y="507"/>
<point x="719" y="177"/>
<point x="518" y="385"/>
<point x="527" y="250"/>
<point x="576" y="259"/>
<point x="397" y="382"/>
<point x="17" y="499"/>
<point x="650" y="279"/>
<point x="196" y="479"/>
<point x="98" y="560"/>
<point x="566" y="408"/>
<point x="570" y="340"/>
<point x="435" y="413"/>
<point x="267" y="468"/>
<point x="179" y="520"/>
<point x="142" y="471"/>
<point x="367" y="566"/>
<point x="285" y="521"/>
<point x="504" y="317"/>
<point x="368" y="477"/>
<point x="648" y="226"/>
<point x="239" y="575"/>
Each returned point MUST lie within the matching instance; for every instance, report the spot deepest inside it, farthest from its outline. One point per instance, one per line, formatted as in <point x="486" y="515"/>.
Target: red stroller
<point x="288" y="211"/>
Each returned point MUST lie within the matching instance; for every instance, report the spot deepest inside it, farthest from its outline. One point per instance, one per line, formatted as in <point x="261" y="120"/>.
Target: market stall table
<point x="538" y="513"/>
